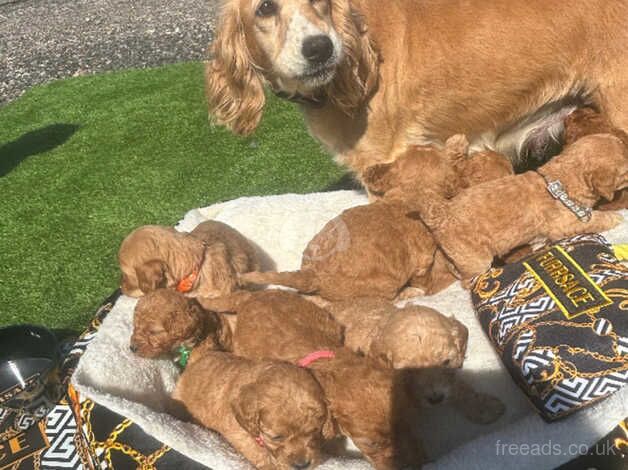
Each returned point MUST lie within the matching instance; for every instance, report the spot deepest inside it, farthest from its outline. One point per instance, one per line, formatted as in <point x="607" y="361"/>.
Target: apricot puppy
<point x="273" y="413"/>
<point x="167" y="322"/>
<point x="410" y="337"/>
<point x="202" y="263"/>
<point x="377" y="249"/>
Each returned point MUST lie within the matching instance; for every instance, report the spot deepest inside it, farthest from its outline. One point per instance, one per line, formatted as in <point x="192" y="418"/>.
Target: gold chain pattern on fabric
<point x="144" y="462"/>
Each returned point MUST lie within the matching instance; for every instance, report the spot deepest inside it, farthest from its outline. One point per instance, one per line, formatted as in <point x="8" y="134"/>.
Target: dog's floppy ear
<point x="184" y="321"/>
<point x="357" y="76"/>
<point x="151" y="275"/>
<point x="234" y="87"/>
<point x="603" y="183"/>
<point x="218" y="269"/>
<point x="245" y="409"/>
<point x="128" y="284"/>
<point x="378" y="179"/>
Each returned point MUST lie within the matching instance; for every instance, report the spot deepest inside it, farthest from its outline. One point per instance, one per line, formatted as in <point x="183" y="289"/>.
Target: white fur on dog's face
<point x="280" y="37"/>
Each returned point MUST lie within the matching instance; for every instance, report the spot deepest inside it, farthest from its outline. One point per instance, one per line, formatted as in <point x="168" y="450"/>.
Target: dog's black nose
<point x="317" y="49"/>
<point x="133" y="348"/>
<point x="436" y="398"/>
<point x="301" y="465"/>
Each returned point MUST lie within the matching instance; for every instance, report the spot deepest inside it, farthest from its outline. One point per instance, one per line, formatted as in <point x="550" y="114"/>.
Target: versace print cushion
<point x="559" y="320"/>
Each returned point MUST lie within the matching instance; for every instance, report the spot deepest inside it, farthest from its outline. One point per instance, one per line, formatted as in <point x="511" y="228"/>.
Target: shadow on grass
<point x="347" y="181"/>
<point x="33" y="143"/>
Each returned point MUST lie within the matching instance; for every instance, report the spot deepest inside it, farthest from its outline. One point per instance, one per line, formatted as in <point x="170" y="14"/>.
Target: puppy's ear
<point x="245" y="409"/>
<point x="127" y="285"/>
<point x="378" y="179"/>
<point x="603" y="183"/>
<point x="151" y="276"/>
<point x="234" y="87"/>
<point x="218" y="270"/>
<point x="184" y="321"/>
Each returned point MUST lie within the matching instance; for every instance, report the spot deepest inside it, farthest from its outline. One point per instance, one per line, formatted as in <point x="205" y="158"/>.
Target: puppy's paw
<point x="409" y="293"/>
<point x="485" y="409"/>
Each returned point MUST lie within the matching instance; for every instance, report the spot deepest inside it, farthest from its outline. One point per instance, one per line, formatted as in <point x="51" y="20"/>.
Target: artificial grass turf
<point x="86" y="160"/>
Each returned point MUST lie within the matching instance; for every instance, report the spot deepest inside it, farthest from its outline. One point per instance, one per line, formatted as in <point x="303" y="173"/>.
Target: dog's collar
<point x="187" y="283"/>
<point x="558" y="192"/>
<point x="298" y="98"/>
<point x="315" y="356"/>
<point x="183" y="356"/>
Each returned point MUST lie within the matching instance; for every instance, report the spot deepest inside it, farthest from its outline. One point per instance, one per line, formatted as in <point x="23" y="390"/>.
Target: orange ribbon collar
<point x="187" y="283"/>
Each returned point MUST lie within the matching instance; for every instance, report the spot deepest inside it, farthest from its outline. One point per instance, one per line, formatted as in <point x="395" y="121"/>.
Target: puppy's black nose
<point x="133" y="348"/>
<point x="436" y="398"/>
<point x="301" y="465"/>
<point x="317" y="49"/>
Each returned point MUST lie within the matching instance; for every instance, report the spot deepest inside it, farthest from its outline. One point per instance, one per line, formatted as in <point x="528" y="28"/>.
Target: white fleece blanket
<point x="281" y="226"/>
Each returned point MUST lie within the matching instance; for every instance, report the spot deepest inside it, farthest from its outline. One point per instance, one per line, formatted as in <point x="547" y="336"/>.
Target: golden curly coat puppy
<point x="377" y="249"/>
<point x="586" y="121"/>
<point x="372" y="81"/>
<point x="412" y="337"/>
<point x="167" y="322"/>
<point x="490" y="219"/>
<point x="202" y="263"/>
<point x="273" y="413"/>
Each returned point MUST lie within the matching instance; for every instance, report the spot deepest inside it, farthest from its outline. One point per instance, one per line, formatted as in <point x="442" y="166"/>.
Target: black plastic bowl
<point x="29" y="360"/>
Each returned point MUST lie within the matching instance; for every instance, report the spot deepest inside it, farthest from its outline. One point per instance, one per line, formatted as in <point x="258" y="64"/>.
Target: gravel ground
<point x="43" y="40"/>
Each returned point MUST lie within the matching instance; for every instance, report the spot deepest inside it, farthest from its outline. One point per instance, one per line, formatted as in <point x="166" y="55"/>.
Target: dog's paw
<point x="409" y="293"/>
<point x="485" y="409"/>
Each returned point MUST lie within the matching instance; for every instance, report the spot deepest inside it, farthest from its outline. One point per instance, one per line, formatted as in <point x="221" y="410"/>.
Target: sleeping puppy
<point x="165" y="322"/>
<point x="412" y="337"/>
<point x="425" y="342"/>
<point x="272" y="412"/>
<point x="586" y="121"/>
<point x="492" y="218"/>
<point x="376" y="250"/>
<point x="204" y="262"/>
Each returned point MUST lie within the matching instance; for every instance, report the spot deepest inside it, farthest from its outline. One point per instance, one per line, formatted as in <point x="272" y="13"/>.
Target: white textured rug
<point x="281" y="226"/>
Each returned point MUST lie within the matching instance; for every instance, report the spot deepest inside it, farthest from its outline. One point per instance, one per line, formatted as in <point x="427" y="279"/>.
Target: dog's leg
<point x="600" y="222"/>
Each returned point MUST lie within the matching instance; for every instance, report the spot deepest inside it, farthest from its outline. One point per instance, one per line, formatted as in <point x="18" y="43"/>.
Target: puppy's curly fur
<point x="492" y="218"/>
<point x="273" y="413"/>
<point x="153" y="256"/>
<point x="409" y="337"/>
<point x="165" y="319"/>
<point x="370" y="403"/>
<point x="377" y="249"/>
<point x="418" y="338"/>
<point x="586" y="121"/>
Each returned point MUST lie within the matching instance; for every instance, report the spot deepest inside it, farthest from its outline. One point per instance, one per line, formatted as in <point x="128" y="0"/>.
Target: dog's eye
<point x="266" y="8"/>
<point x="278" y="437"/>
<point x="446" y="363"/>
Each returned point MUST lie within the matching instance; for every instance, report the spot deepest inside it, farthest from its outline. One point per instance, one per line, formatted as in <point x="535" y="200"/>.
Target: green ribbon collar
<point x="183" y="356"/>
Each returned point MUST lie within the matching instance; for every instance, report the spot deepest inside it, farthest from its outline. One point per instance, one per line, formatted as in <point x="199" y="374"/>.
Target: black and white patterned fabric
<point x="559" y="320"/>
